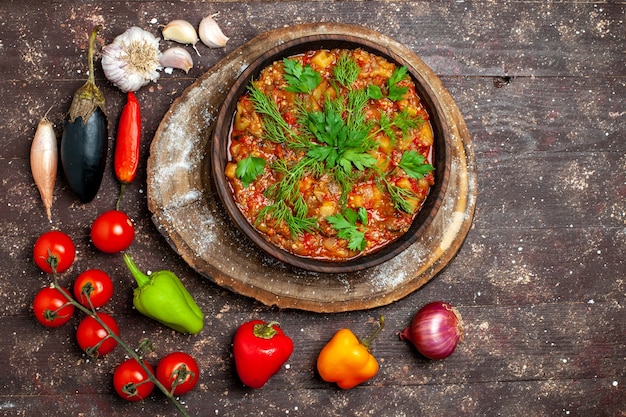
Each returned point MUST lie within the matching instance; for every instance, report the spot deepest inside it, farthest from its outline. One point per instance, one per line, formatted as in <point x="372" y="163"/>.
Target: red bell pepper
<point x="127" y="144"/>
<point x="260" y="349"/>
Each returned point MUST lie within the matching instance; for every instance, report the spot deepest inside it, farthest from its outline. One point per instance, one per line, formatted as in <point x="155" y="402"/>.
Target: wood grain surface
<point x="539" y="279"/>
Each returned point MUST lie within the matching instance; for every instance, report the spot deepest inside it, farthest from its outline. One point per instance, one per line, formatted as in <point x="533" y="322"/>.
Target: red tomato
<point x="112" y="231"/>
<point x="94" y="285"/>
<point x="54" y="249"/>
<point x="52" y="308"/>
<point x="131" y="381"/>
<point x="93" y="338"/>
<point x="178" y="372"/>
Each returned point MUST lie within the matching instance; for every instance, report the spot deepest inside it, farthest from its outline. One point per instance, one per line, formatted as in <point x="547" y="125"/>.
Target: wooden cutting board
<point x="187" y="211"/>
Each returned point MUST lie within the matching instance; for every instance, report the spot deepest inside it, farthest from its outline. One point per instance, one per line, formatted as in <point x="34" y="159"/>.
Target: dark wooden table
<point x="539" y="279"/>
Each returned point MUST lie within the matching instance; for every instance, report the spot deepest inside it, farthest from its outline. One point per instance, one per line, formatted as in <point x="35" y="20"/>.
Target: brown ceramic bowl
<point x="220" y="140"/>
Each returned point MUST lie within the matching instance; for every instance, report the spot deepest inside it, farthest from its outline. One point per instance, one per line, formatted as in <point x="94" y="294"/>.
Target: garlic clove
<point x="181" y="31"/>
<point x="210" y="33"/>
<point x="177" y="57"/>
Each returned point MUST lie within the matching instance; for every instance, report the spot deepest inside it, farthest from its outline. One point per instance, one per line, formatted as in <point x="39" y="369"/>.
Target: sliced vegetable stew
<point x="330" y="153"/>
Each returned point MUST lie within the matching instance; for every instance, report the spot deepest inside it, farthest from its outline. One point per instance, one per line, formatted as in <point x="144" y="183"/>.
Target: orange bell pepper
<point x="348" y="361"/>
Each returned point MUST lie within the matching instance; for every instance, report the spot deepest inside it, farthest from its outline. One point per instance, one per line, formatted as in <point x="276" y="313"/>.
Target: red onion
<point x="435" y="330"/>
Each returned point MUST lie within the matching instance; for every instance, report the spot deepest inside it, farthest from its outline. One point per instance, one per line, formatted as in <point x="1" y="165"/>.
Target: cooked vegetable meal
<point x="330" y="153"/>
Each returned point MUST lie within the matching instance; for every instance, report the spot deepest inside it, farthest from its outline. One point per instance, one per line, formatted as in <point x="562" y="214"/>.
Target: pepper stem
<point x="141" y="278"/>
<point x="119" y="197"/>
<point x="368" y="342"/>
<point x="265" y="330"/>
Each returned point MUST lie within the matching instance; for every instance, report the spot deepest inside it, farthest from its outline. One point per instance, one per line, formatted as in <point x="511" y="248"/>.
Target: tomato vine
<point x="91" y="312"/>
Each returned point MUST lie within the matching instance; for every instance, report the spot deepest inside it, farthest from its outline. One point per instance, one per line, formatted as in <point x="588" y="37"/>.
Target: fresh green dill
<point x="355" y="116"/>
<point x="276" y="128"/>
<point x="386" y="126"/>
<point x="281" y="212"/>
<point x="401" y="197"/>
<point x="405" y="122"/>
<point x="414" y="164"/>
<point x="248" y="169"/>
<point x="288" y="203"/>
<point x="286" y="188"/>
<point x="402" y="122"/>
<point x="300" y="79"/>
<point x="345" y="223"/>
<point x="346" y="71"/>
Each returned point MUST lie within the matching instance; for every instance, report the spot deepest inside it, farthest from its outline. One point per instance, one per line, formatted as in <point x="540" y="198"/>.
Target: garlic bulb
<point x="132" y="59"/>
<point x="210" y="33"/>
<point x="176" y="57"/>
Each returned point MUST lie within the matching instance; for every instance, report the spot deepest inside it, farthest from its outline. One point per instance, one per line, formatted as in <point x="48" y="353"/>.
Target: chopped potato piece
<point x="230" y="170"/>
<point x="327" y="208"/>
<point x="322" y="59"/>
<point x="404" y="183"/>
<point x="426" y="135"/>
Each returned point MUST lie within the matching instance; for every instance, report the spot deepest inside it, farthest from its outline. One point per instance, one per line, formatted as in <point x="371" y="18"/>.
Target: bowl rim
<point x="441" y="150"/>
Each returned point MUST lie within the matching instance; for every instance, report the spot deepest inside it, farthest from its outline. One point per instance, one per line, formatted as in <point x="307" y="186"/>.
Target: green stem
<point x="265" y="330"/>
<point x="90" y="53"/>
<point x="141" y="278"/>
<point x="131" y="352"/>
<point x="368" y="342"/>
<point x="119" y="197"/>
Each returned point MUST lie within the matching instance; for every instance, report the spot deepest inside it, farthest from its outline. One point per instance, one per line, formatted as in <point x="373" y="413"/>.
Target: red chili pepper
<point x="126" y="159"/>
<point x="260" y="349"/>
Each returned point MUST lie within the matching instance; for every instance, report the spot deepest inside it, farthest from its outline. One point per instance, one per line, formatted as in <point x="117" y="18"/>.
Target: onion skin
<point x="44" y="160"/>
<point x="435" y="330"/>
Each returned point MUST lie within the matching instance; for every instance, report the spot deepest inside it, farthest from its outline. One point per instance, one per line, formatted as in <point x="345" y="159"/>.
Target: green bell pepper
<point x="162" y="297"/>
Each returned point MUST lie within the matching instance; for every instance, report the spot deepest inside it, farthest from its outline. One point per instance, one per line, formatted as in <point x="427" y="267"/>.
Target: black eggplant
<point x="84" y="142"/>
